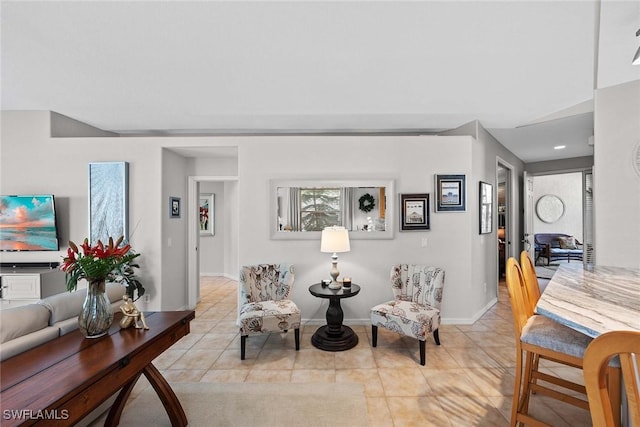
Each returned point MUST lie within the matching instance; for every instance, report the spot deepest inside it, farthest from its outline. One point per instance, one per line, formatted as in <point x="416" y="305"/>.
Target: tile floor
<point x="467" y="380"/>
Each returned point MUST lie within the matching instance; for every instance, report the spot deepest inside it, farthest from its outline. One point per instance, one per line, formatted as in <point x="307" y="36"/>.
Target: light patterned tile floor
<point x="467" y="381"/>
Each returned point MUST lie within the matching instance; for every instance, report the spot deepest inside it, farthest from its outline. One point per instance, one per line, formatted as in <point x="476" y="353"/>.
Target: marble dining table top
<point x="593" y="301"/>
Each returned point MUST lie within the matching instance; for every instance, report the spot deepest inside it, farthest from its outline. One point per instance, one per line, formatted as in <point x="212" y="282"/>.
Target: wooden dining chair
<point x="539" y="336"/>
<point x="625" y="345"/>
<point x="530" y="279"/>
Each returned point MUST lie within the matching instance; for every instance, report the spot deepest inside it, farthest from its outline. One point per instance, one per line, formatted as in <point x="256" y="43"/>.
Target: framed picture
<point x="414" y="213"/>
<point x="450" y="193"/>
<point x="108" y="201"/>
<point x="174" y="207"/>
<point x="486" y="207"/>
<point x="206" y="210"/>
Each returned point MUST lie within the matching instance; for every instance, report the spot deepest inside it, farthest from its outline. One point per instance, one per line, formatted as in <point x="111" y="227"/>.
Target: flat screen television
<point x="28" y="223"/>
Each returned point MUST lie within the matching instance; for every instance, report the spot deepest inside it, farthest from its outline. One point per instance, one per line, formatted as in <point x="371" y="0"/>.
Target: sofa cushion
<point x="115" y="291"/>
<point x="67" y="305"/>
<point x="27" y="342"/>
<point x="567" y="242"/>
<point x="23" y="320"/>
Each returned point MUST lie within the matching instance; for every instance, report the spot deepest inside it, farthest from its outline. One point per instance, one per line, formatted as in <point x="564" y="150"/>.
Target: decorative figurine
<point x="131" y="315"/>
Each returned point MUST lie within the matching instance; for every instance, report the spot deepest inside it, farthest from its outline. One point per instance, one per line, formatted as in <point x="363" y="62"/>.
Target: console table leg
<point x="167" y="396"/>
<point x="113" y="419"/>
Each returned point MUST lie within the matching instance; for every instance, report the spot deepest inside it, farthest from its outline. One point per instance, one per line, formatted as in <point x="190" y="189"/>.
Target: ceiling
<point x="524" y="69"/>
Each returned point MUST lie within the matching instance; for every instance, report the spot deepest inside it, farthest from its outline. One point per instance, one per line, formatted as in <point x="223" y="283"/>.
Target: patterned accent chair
<point x="415" y="311"/>
<point x="264" y="306"/>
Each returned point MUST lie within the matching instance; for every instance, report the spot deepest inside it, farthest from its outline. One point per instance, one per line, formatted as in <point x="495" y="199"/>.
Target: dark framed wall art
<point x="414" y="213"/>
<point x="206" y="212"/>
<point x="486" y="207"/>
<point x="450" y="193"/>
<point x="174" y="207"/>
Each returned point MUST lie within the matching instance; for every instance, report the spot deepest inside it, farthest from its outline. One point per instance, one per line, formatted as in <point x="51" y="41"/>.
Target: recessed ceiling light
<point x="559" y="147"/>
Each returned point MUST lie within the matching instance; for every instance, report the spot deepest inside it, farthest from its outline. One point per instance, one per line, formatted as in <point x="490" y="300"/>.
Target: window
<point x="319" y="208"/>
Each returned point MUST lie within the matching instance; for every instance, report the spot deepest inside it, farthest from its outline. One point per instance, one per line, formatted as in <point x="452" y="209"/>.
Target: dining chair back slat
<point x="625" y="345"/>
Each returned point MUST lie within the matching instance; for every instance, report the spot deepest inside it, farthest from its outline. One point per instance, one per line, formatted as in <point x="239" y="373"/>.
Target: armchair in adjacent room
<point x="415" y="311"/>
<point x="264" y="303"/>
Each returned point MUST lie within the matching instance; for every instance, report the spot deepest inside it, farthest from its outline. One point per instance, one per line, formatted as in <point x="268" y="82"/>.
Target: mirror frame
<point x="390" y="208"/>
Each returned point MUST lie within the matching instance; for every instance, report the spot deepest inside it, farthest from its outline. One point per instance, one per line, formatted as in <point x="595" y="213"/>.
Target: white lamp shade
<point x="335" y="239"/>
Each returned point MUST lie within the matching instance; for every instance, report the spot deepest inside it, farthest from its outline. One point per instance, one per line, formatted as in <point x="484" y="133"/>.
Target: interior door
<point x="528" y="238"/>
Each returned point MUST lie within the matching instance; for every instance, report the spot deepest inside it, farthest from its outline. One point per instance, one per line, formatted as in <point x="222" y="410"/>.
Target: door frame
<point x="510" y="213"/>
<point x="193" y="234"/>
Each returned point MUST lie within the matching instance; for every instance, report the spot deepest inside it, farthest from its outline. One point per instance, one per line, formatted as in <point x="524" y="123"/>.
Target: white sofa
<point x="27" y="326"/>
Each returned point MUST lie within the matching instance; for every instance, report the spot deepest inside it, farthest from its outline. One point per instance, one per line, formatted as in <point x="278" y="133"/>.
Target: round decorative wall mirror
<point x="549" y="208"/>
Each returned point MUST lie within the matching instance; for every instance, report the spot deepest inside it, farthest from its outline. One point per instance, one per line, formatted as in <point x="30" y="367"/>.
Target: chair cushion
<point x="269" y="316"/>
<point x="406" y="317"/>
<point x="547" y="333"/>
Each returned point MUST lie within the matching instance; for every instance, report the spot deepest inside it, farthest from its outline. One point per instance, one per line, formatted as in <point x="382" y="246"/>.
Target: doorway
<point x="504" y="184"/>
<point x="224" y="214"/>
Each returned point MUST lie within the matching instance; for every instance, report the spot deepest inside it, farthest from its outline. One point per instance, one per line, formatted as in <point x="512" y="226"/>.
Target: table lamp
<point x="334" y="240"/>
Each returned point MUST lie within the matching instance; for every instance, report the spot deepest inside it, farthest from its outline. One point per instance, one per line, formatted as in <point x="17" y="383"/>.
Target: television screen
<point x="28" y="223"/>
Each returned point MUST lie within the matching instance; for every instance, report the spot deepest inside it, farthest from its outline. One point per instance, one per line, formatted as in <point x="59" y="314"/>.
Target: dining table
<point x="594" y="300"/>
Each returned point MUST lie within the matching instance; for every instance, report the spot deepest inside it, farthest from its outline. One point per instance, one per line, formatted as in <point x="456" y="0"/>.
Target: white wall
<point x="33" y="163"/>
<point x="172" y="288"/>
<point x="231" y="220"/>
<point x="568" y="187"/>
<point x="156" y="173"/>
<point x="412" y="162"/>
<point x="616" y="184"/>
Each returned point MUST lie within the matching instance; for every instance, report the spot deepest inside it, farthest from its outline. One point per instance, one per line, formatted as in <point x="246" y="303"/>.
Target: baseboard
<point x="225" y="275"/>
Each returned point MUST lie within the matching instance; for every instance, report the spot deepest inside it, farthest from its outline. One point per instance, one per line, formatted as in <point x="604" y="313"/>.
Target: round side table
<point x="334" y="336"/>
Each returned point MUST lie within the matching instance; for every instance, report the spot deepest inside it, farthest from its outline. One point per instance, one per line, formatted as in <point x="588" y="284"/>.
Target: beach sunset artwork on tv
<point x="28" y="223"/>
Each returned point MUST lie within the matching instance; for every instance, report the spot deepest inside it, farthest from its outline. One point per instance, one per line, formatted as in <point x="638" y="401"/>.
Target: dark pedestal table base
<point x="334" y="336"/>
<point x="343" y="340"/>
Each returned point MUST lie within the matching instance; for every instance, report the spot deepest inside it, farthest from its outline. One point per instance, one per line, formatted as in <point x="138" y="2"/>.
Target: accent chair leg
<point x="436" y="337"/>
<point x="374" y="335"/>
<point x="243" y="346"/>
<point x="296" y="334"/>
<point x="422" y="352"/>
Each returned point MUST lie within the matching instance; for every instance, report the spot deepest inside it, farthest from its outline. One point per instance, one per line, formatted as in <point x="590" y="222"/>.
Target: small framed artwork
<point x="174" y="207"/>
<point x="450" y="193"/>
<point x="206" y="214"/>
<point x="415" y="212"/>
<point x="486" y="207"/>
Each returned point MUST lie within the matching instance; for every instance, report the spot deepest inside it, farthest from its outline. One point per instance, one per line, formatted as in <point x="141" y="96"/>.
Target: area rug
<point x="255" y="405"/>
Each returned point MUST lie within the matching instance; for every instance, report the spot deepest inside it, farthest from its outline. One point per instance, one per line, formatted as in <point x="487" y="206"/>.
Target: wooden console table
<point x="63" y="380"/>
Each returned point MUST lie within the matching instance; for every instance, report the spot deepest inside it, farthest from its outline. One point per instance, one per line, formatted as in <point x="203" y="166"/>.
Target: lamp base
<point x="334" y="273"/>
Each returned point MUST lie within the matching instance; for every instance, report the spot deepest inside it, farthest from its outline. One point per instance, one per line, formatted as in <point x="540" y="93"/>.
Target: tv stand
<point x="23" y="285"/>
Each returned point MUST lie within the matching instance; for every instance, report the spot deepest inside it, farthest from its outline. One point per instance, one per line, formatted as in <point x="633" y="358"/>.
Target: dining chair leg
<point x="374" y="335"/>
<point x="422" y="352"/>
<point x="516" y="390"/>
<point x="523" y="407"/>
<point x="243" y="346"/>
<point x="436" y="337"/>
<point x="296" y="334"/>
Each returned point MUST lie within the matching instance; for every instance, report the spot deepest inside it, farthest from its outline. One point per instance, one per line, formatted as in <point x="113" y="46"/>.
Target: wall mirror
<point x="549" y="208"/>
<point x="301" y="209"/>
